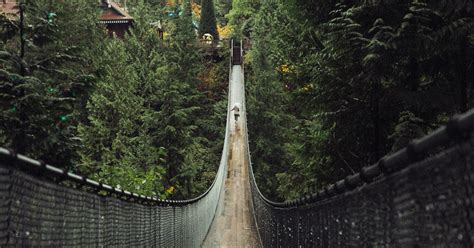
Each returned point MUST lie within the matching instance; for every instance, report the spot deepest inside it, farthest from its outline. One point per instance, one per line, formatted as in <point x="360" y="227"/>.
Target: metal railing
<point x="420" y="196"/>
<point x="42" y="205"/>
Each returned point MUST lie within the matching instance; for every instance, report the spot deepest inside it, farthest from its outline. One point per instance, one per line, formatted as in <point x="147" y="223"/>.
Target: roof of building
<point x="113" y="13"/>
<point x="8" y="7"/>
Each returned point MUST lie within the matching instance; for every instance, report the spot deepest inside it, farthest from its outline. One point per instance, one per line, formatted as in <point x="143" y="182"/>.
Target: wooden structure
<point x="236" y="52"/>
<point x="234" y="224"/>
<point x="115" y="18"/>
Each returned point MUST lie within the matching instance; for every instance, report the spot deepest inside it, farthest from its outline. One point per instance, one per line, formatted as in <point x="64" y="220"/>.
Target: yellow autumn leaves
<point x="285" y="70"/>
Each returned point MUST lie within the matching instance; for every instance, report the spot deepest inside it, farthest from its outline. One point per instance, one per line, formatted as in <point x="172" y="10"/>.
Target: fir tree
<point x="267" y="104"/>
<point x="46" y="85"/>
<point x="176" y="102"/>
<point x="241" y="16"/>
<point x="117" y="146"/>
<point x="360" y="79"/>
<point x="208" y="20"/>
<point x="185" y="23"/>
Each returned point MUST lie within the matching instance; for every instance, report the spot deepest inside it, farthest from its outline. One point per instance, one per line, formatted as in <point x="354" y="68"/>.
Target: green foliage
<point x="268" y="107"/>
<point x="177" y="106"/>
<point x="408" y="127"/>
<point x="9" y="28"/>
<point x="361" y="79"/>
<point x="126" y="112"/>
<point x="241" y="16"/>
<point x="117" y="144"/>
<point x="44" y="89"/>
<point x="222" y="8"/>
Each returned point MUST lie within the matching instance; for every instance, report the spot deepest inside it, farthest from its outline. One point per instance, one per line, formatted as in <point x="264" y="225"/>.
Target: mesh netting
<point x="41" y="205"/>
<point x="428" y="204"/>
<point x="37" y="211"/>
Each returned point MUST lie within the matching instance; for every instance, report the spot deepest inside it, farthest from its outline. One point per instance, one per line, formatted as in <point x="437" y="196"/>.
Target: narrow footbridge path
<point x="419" y="196"/>
<point x="234" y="224"/>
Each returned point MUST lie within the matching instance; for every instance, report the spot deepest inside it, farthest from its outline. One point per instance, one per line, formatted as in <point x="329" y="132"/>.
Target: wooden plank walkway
<point x="234" y="225"/>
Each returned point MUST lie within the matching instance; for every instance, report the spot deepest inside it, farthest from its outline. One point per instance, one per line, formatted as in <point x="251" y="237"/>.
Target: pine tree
<point x="360" y="78"/>
<point x="117" y="144"/>
<point x="208" y="20"/>
<point x="241" y="16"/>
<point x="46" y="84"/>
<point x="176" y="105"/>
<point x="269" y="125"/>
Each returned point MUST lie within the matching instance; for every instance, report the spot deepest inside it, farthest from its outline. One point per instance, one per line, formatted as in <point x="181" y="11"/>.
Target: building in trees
<point x="115" y="17"/>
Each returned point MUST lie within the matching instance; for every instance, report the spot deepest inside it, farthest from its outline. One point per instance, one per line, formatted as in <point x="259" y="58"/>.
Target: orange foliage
<point x="196" y="9"/>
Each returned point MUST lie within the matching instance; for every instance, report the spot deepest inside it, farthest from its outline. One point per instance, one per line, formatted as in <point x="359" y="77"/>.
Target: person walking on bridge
<point x="236" y="110"/>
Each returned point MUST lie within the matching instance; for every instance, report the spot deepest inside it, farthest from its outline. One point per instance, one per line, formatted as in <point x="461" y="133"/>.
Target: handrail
<point x="231" y="54"/>
<point x="73" y="177"/>
<point x="385" y="204"/>
<point x="113" y="213"/>
<point x="457" y="128"/>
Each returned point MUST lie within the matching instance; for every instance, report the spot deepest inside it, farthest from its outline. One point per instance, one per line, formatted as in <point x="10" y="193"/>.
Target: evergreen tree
<point x="267" y="106"/>
<point x="189" y="125"/>
<point x="179" y="106"/>
<point x="360" y="78"/>
<point x="241" y="16"/>
<point x="143" y="124"/>
<point x="222" y="8"/>
<point x="185" y="23"/>
<point x="208" y="22"/>
<point x="117" y="145"/>
<point x="46" y="84"/>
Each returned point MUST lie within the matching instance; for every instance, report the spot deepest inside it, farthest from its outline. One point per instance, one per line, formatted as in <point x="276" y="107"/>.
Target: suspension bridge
<point x="419" y="196"/>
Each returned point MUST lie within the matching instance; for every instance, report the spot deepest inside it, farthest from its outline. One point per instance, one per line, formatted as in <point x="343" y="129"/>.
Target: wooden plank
<point x="235" y="228"/>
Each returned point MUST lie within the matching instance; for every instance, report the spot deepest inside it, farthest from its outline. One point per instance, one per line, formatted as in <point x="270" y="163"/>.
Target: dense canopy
<point x="332" y="86"/>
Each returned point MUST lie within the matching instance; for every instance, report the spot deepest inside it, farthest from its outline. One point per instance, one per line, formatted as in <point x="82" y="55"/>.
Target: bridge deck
<point x="234" y="225"/>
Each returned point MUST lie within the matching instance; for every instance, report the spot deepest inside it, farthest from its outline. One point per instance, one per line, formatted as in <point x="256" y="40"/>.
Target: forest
<point x="130" y="112"/>
<point x="331" y="85"/>
<point x="335" y="85"/>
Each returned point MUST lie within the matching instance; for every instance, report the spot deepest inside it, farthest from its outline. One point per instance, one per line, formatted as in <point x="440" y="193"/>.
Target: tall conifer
<point x="117" y="145"/>
<point x="208" y="20"/>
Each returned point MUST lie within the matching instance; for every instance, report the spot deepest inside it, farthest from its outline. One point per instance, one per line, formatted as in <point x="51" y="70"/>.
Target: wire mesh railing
<point x="420" y="196"/>
<point x="45" y="206"/>
<point x="36" y="211"/>
<point x="81" y="212"/>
